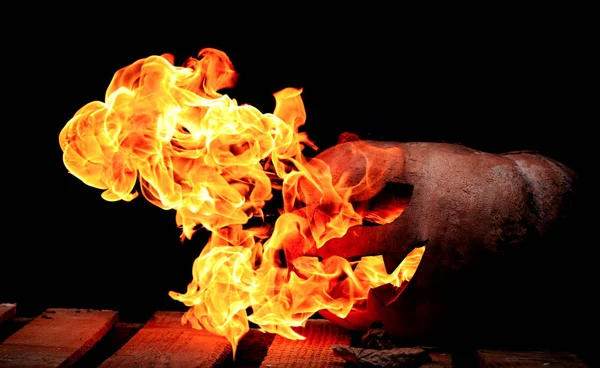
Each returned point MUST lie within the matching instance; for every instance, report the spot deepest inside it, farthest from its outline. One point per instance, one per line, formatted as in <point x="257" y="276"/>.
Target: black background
<point x="494" y="83"/>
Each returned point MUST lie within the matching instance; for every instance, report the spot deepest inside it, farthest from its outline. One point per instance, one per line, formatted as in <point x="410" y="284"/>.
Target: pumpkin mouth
<point x="361" y="316"/>
<point x="381" y="211"/>
<point x="393" y="198"/>
<point x="389" y="293"/>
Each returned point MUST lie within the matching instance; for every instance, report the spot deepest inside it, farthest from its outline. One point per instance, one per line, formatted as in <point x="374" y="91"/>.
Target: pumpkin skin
<point x="491" y="222"/>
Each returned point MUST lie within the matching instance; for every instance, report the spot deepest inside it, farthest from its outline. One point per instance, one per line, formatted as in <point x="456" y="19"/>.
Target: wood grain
<point x="315" y="351"/>
<point x="56" y="338"/>
<point x="164" y="342"/>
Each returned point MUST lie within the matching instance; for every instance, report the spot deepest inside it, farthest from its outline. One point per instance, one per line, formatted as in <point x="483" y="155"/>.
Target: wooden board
<point x="439" y="360"/>
<point x="65" y="337"/>
<point x="58" y="337"/>
<point x="526" y="359"/>
<point x="164" y="342"/>
<point x="7" y="311"/>
<point x="315" y="351"/>
<point x="118" y="336"/>
<point x="251" y="350"/>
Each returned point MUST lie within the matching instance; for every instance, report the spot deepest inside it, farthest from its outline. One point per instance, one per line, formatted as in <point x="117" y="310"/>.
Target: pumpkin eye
<point x="386" y="206"/>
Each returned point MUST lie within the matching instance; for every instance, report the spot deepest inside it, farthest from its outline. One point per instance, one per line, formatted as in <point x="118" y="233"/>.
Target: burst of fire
<point x="217" y="163"/>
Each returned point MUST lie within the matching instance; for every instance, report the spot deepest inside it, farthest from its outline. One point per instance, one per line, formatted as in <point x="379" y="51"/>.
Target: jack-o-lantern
<point x="481" y="216"/>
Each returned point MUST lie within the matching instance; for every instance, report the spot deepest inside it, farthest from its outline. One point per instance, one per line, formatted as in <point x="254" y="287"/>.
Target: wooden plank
<point x="439" y="360"/>
<point x="115" y="339"/>
<point x="315" y="351"/>
<point x="57" y="338"/>
<point x="526" y="359"/>
<point x="251" y="350"/>
<point x="7" y="311"/>
<point x="164" y="342"/>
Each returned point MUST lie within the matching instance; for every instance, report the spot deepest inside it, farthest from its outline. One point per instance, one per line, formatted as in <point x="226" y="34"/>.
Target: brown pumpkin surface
<point x="489" y="223"/>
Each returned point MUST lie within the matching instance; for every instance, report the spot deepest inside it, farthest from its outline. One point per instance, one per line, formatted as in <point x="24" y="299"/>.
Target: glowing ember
<point x="217" y="163"/>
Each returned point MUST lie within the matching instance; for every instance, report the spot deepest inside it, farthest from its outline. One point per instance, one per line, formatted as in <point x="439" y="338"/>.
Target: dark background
<point x="494" y="84"/>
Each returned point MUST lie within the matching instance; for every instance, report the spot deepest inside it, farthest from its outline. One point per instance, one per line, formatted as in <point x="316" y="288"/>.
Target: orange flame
<point x="217" y="163"/>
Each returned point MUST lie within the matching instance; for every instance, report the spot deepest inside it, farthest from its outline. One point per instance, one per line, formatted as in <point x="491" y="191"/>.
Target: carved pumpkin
<point x="484" y="219"/>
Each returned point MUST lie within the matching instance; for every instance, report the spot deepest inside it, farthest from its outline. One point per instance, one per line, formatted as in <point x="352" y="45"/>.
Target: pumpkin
<point x="487" y="221"/>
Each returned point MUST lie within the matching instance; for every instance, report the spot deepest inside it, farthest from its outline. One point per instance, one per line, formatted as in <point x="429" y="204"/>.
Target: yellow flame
<point x="217" y="163"/>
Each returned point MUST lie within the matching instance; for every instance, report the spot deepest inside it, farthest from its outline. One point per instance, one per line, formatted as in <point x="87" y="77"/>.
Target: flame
<point x="217" y="163"/>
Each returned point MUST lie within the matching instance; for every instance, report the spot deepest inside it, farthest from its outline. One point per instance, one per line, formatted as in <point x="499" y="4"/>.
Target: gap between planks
<point x="163" y="341"/>
<point x="60" y="337"/>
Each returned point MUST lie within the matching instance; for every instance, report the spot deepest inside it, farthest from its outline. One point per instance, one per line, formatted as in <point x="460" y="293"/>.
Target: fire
<point x="217" y="163"/>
